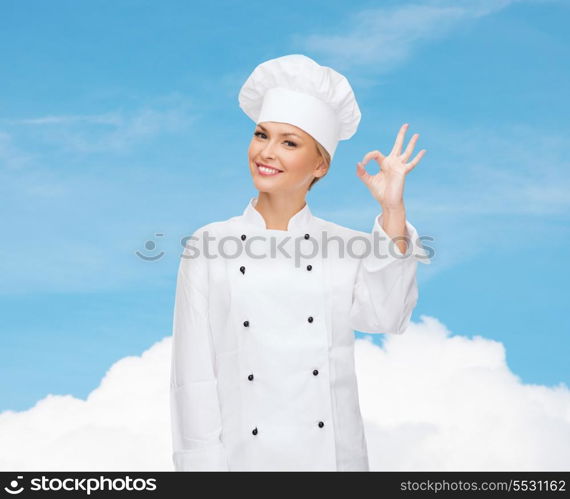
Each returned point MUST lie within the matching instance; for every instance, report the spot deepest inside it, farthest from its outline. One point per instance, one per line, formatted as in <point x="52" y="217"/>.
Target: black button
<point x="243" y="237"/>
<point x="321" y="424"/>
<point x="307" y="236"/>
<point x="315" y="372"/>
<point x="250" y="377"/>
<point x="246" y="323"/>
<point x="310" y="319"/>
<point x="309" y="267"/>
<point x="242" y="269"/>
<point x="254" y="431"/>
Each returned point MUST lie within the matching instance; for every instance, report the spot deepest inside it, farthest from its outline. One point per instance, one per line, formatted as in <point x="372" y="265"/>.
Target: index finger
<point x="372" y="155"/>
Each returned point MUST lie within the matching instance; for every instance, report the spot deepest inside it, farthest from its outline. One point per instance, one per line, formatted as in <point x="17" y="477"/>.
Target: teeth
<point x="264" y="169"/>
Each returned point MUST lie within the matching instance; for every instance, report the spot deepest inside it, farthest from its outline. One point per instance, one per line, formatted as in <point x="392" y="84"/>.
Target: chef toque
<point x="295" y="89"/>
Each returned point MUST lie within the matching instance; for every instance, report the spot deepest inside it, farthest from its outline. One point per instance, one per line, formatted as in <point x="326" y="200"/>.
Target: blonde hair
<point x="327" y="159"/>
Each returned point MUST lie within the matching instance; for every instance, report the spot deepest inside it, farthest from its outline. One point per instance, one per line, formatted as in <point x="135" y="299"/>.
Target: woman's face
<point x="288" y="149"/>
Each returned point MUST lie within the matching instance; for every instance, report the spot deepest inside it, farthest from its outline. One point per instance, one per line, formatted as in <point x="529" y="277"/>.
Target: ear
<point x="321" y="169"/>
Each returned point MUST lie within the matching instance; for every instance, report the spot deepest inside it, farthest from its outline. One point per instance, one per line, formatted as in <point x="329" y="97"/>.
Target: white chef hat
<point x="295" y="89"/>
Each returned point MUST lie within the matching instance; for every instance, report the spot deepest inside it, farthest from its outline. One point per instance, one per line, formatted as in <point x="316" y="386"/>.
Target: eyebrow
<point x="282" y="135"/>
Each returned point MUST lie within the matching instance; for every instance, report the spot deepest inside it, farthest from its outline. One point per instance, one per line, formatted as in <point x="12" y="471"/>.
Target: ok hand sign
<point x="387" y="186"/>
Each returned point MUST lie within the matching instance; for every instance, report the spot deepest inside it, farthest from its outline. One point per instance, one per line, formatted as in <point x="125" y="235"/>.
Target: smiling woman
<point x="263" y="371"/>
<point x="262" y="133"/>
<point x="280" y="147"/>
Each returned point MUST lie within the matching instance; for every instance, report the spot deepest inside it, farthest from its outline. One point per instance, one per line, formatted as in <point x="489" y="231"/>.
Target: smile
<point x="267" y="171"/>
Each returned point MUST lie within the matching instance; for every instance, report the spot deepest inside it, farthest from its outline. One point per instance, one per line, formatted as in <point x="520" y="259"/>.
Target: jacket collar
<point x="298" y="222"/>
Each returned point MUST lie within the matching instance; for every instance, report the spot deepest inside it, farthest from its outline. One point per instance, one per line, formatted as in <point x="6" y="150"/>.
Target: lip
<point x="268" y="166"/>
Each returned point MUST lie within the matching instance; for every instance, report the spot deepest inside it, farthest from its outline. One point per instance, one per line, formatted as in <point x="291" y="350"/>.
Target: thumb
<point x="362" y="173"/>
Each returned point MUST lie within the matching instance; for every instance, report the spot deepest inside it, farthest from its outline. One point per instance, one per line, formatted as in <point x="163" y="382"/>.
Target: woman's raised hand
<point x="387" y="186"/>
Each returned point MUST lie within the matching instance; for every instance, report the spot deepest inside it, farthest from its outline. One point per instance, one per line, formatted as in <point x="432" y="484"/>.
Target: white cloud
<point x="385" y="37"/>
<point x="106" y="119"/>
<point x="122" y="425"/>
<point x="436" y="401"/>
<point x="113" y="131"/>
<point x="430" y="401"/>
<point x="66" y="181"/>
<point x="510" y="169"/>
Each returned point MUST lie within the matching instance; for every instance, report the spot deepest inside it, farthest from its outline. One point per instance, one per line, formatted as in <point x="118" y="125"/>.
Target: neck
<point x="277" y="209"/>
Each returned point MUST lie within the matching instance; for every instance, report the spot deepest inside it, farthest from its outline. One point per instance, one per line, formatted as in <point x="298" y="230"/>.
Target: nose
<point x="268" y="151"/>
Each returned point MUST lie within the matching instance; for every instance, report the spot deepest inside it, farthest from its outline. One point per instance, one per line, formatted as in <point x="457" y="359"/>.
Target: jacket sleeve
<point x="194" y="403"/>
<point x="385" y="289"/>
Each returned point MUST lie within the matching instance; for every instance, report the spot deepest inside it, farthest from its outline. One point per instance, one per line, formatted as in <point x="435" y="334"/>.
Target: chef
<point x="267" y="302"/>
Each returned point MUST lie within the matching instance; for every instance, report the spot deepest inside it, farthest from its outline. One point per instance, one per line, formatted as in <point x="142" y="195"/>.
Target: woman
<point x="267" y="302"/>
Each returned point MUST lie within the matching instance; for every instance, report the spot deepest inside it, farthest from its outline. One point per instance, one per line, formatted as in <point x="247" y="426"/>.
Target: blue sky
<point x="119" y="121"/>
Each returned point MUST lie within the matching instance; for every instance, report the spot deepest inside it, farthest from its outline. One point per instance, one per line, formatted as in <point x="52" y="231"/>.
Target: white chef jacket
<point x="262" y="374"/>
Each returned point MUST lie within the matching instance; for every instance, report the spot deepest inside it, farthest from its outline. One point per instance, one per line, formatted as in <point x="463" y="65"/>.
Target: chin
<point x="263" y="185"/>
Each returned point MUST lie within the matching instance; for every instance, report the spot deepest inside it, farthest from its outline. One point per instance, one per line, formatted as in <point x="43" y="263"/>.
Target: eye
<point x="288" y="142"/>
